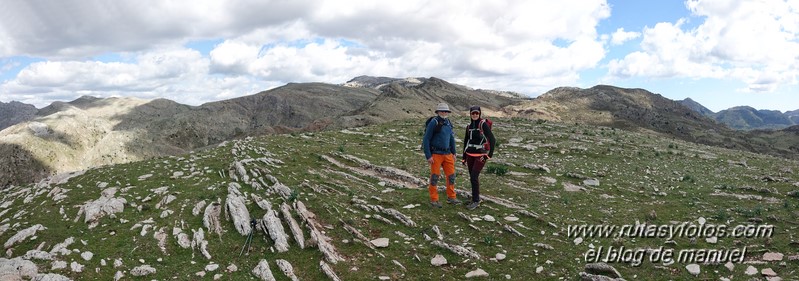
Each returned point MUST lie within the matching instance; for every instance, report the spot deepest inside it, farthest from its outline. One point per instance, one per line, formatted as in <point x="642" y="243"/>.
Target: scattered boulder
<point x="272" y="225"/>
<point x="438" y="260"/>
<point x="87" y="255"/>
<point x="287" y="269"/>
<point x="693" y="269"/>
<point x="23" y="234"/>
<point x="768" y="272"/>
<point x="477" y="273"/>
<point x="17" y="269"/>
<point x="591" y="182"/>
<point x="37" y="255"/>
<point x="142" y="270"/>
<point x="730" y="266"/>
<point x="199" y="242"/>
<point x="602" y="269"/>
<point x="572" y="187"/>
<point x="263" y="272"/>
<point x="198" y="207"/>
<point x="107" y="204"/>
<point x="328" y="271"/>
<point x="772" y="256"/>
<point x="211" y="218"/>
<point x="750" y="270"/>
<point x="56" y="265"/>
<point x="237" y="209"/>
<point x="380" y="242"/>
<point x="211" y="267"/>
<point x="299" y="237"/>
<point x="76" y="267"/>
<point x="500" y="256"/>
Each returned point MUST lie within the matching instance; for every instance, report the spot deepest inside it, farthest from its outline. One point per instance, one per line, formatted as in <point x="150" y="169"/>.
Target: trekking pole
<point x="248" y="241"/>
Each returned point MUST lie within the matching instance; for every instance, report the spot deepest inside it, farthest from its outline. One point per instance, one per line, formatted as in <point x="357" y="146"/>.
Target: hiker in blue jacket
<point x="438" y="144"/>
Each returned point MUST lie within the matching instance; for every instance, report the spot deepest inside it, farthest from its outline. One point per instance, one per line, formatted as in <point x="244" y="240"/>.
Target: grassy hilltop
<point x="544" y="174"/>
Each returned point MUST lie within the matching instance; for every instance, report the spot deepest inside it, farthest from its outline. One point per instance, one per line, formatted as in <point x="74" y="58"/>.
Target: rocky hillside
<point x="15" y="112"/>
<point x="748" y="118"/>
<point x="397" y="102"/>
<point x="89" y="132"/>
<point x="333" y="206"/>
<point x="638" y="109"/>
<point x="695" y="106"/>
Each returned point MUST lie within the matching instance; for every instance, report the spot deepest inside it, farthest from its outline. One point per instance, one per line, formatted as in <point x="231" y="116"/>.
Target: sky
<point x="720" y="53"/>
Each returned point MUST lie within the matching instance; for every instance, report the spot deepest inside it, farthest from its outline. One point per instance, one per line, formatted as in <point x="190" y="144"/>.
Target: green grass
<point x="638" y="175"/>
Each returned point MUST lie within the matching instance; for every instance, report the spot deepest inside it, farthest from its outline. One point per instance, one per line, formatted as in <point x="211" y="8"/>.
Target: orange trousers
<point x="448" y="161"/>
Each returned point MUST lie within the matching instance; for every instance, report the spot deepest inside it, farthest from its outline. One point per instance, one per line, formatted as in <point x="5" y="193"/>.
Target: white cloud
<point x="177" y="74"/>
<point x="753" y="41"/>
<point x="620" y="36"/>
<point x="525" y="46"/>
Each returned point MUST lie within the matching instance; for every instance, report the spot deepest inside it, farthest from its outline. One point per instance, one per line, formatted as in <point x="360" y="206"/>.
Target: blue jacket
<point x="442" y="142"/>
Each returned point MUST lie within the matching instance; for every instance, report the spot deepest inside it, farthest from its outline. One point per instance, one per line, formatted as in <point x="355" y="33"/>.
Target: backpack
<point x="439" y="124"/>
<point x="485" y="142"/>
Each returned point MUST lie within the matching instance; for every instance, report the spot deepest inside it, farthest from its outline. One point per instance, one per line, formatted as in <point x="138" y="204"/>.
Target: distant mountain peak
<point x="695" y="106"/>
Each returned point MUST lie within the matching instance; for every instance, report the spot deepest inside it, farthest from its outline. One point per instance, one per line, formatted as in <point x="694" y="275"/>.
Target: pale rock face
<point x="142" y="270"/>
<point x="37" y="255"/>
<point x="23" y="234"/>
<point x="438" y="260"/>
<point x="107" y="204"/>
<point x="237" y="209"/>
<point x="17" y="269"/>
<point x="380" y="242"/>
<point x="693" y="269"/>
<point x="58" y="265"/>
<point x="477" y="273"/>
<point x="275" y="229"/>
<point x="76" y="267"/>
<point x="87" y="255"/>
<point x="287" y="269"/>
<point x="772" y="256"/>
<point x="263" y="272"/>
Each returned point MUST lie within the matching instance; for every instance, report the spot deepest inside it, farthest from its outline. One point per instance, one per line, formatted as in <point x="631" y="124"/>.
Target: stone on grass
<point x="693" y="269"/>
<point x="500" y="256"/>
<point x="380" y="242"/>
<point x="263" y="272"/>
<point x="750" y="270"/>
<point x="477" y="273"/>
<point x="772" y="256"/>
<point x="438" y="260"/>
<point x="17" y="269"/>
<point x="142" y="270"/>
<point x="768" y="272"/>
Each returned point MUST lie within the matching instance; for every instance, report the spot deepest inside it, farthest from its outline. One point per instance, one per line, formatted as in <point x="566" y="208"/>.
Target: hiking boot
<point x="472" y="205"/>
<point x="453" y="200"/>
<point x="435" y="204"/>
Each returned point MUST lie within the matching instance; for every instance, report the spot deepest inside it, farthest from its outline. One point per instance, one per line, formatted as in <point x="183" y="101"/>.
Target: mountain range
<point x="746" y="117"/>
<point x="90" y="132"/>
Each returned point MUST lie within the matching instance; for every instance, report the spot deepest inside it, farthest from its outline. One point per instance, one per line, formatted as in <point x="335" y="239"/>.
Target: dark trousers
<point x="475" y="165"/>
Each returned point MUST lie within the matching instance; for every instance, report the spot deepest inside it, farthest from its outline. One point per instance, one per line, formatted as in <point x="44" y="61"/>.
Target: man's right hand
<point x="430" y="160"/>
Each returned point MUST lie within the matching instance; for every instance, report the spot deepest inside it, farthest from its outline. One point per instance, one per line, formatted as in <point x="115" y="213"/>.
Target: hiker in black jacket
<point x="478" y="147"/>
